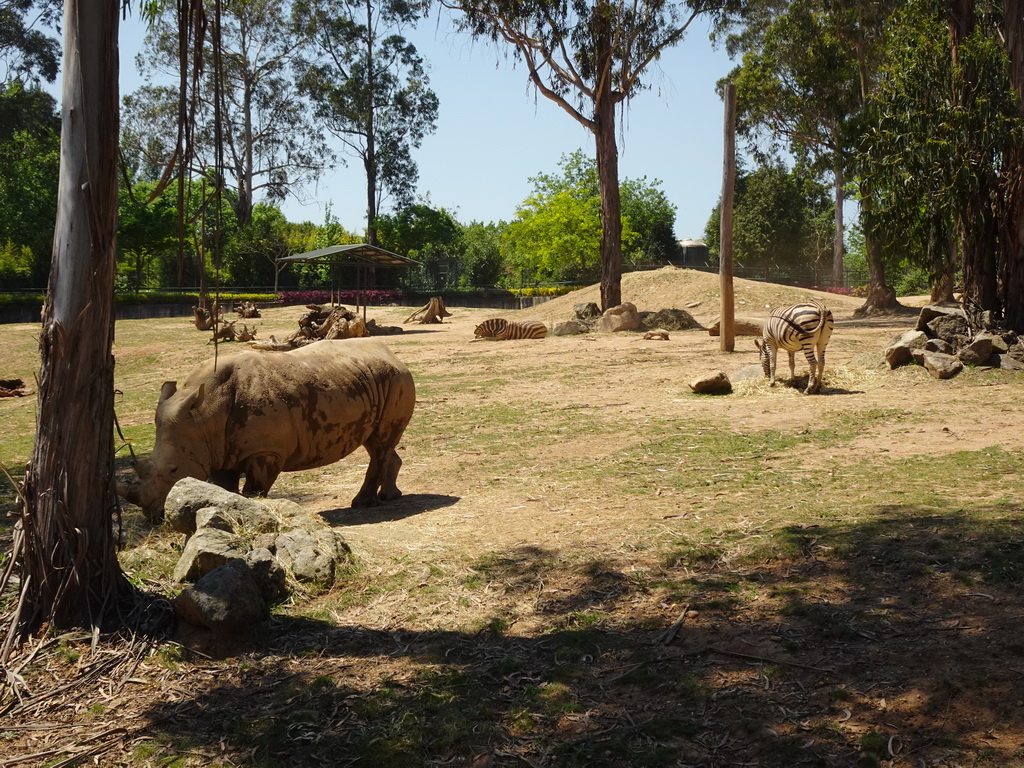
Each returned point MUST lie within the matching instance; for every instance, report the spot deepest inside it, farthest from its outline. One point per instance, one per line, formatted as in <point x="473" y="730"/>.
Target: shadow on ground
<point x="399" y="509"/>
<point x="895" y="642"/>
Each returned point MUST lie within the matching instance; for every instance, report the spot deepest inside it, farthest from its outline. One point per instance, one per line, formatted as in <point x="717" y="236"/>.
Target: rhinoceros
<point x="262" y="413"/>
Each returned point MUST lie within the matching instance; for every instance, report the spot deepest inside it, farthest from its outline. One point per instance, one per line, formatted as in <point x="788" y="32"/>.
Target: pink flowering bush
<point x="375" y="296"/>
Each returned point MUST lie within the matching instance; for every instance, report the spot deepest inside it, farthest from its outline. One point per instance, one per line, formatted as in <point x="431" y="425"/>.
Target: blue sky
<point x="494" y="132"/>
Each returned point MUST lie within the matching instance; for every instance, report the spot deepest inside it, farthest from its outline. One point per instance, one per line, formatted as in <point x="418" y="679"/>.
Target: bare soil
<point x="518" y="607"/>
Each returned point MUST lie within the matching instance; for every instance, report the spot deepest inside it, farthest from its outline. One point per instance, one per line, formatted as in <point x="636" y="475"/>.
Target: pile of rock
<point x="943" y="342"/>
<point x="624" y="317"/>
<point x="244" y="555"/>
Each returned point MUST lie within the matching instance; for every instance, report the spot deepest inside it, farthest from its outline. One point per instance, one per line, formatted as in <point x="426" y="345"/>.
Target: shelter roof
<point x="356" y="255"/>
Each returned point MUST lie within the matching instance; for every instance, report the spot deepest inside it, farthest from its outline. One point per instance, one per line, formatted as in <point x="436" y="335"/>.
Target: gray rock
<point x="190" y="495"/>
<point x="898" y="355"/>
<point x="624" y="317"/>
<point x="206" y="550"/>
<point x="1005" y="362"/>
<point x="901" y="348"/>
<point x="226" y="600"/>
<point x="949" y="327"/>
<point x="932" y="311"/>
<point x="1016" y="351"/>
<point x="312" y="557"/>
<point x="669" y="320"/>
<point x="977" y="352"/>
<point x="941" y="366"/>
<point x="570" y="328"/>
<point x="268" y="573"/>
<point x="938" y="345"/>
<point x="999" y="344"/>
<point x="587" y="311"/>
<point x="712" y="384"/>
<point x="211" y="517"/>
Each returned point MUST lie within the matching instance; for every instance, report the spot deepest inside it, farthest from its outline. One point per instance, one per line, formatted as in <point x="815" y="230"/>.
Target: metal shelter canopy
<point x="355" y="255"/>
<point x="360" y="255"/>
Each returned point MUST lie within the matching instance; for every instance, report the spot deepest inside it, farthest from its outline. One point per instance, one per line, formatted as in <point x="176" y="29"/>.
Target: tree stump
<point x="433" y="312"/>
<point x="247" y="310"/>
<point x="206" y="319"/>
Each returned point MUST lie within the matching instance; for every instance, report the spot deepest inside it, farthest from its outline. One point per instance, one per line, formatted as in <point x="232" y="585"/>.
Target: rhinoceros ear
<point x="168" y="389"/>
<point x="196" y="398"/>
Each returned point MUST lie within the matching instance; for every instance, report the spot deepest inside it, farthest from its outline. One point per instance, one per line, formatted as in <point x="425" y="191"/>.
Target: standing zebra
<point x="501" y="330"/>
<point x="803" y="326"/>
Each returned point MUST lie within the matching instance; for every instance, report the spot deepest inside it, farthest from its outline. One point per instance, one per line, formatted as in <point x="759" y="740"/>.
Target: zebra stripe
<point x="806" y="327"/>
<point x="502" y="330"/>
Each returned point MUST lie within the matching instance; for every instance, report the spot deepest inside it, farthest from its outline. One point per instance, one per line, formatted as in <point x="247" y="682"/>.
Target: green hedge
<point x="146" y="297"/>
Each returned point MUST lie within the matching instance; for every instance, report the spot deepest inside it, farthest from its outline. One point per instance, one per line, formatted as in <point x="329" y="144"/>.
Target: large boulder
<point x="624" y="317"/>
<point x="939" y="365"/>
<point x="953" y="328"/>
<point x="587" y="311"/>
<point x="225" y="600"/>
<point x="189" y="495"/>
<point x="312" y="557"/>
<point x="716" y="383"/>
<point x="900" y="350"/>
<point x="977" y="352"/>
<point x="932" y="311"/>
<point x="206" y="550"/>
<point x="570" y="328"/>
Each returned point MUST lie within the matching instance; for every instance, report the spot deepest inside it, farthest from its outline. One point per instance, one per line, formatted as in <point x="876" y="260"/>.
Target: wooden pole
<point x="727" y="323"/>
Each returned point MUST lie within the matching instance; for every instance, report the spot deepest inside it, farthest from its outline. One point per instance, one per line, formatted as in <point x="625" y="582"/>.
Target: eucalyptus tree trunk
<point x="370" y="159"/>
<point x="881" y="297"/>
<point x="1012" y="220"/>
<point x="838" y="247"/>
<point x="70" y="572"/>
<point x="607" y="166"/>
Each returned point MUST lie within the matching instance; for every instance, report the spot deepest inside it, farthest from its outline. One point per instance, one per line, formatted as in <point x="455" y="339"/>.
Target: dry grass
<point x="594" y="567"/>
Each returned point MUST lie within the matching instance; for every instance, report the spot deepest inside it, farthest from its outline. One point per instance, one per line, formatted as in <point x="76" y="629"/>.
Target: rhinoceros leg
<point x="226" y="479"/>
<point x="381" y="476"/>
<point x="261" y="471"/>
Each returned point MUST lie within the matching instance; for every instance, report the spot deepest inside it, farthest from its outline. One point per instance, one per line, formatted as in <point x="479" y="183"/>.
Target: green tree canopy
<point x="369" y="88"/>
<point x="777" y="221"/>
<point x="29" y="163"/>
<point x="269" y="143"/>
<point x="588" y="58"/>
<point x="557" y="231"/>
<point x="25" y="52"/>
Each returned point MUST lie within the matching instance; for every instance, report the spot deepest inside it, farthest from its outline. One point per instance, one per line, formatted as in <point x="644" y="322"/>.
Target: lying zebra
<point x="498" y="329"/>
<point x="803" y="326"/>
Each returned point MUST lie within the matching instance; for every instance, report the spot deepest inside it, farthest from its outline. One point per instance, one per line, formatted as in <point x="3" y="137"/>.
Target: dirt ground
<point x="546" y="615"/>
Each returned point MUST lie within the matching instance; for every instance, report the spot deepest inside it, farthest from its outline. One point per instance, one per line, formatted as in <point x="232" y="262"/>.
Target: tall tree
<point x="70" y="572"/>
<point x="932" y="144"/>
<point x="776" y="216"/>
<point x="26" y="53"/>
<point x="588" y="57"/>
<point x="270" y="142"/>
<point x="370" y="89"/>
<point x="29" y="163"/>
<point x="809" y="68"/>
<point x="801" y="101"/>
<point x="1011" y="210"/>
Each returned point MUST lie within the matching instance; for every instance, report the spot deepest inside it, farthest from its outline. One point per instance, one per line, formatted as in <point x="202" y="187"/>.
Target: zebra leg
<point x="773" y="359"/>
<point x="792" y="365"/>
<point x="814" y="377"/>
